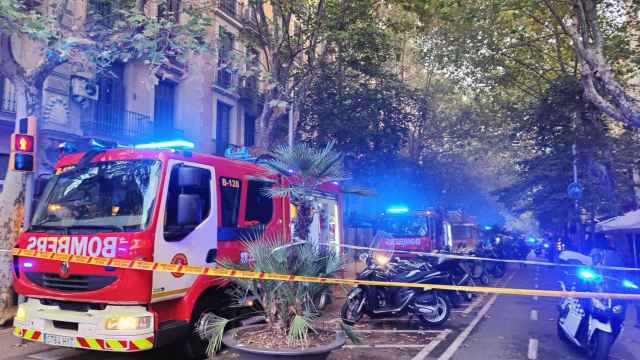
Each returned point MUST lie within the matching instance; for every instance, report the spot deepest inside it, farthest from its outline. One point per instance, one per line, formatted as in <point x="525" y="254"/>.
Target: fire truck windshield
<point x="405" y="226"/>
<point x="103" y="196"/>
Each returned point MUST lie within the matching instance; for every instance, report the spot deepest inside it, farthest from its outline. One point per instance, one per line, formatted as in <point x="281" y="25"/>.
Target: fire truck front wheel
<point x="193" y="347"/>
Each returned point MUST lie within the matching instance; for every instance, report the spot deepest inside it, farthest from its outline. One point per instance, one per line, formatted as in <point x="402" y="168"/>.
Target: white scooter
<point x="593" y="324"/>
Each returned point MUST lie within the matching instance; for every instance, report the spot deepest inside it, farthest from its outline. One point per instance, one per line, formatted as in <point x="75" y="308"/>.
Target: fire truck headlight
<point x="21" y="314"/>
<point x="128" y="323"/>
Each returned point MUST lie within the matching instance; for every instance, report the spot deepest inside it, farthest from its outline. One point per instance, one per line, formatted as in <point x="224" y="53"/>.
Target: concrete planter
<point x="254" y="353"/>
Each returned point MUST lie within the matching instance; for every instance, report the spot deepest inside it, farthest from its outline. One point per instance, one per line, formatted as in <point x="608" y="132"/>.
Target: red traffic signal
<point x="23" y="143"/>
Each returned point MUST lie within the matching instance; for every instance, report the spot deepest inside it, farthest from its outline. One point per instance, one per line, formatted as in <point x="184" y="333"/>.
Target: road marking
<point x="385" y="346"/>
<point x="534" y="315"/>
<point x="400" y="331"/>
<point x="535" y="286"/>
<point x="471" y="306"/>
<point x="532" y="354"/>
<point x="422" y="355"/>
<point x="457" y="342"/>
<point x="535" y="297"/>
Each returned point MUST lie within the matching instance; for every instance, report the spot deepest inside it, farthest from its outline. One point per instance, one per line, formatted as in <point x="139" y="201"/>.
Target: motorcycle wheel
<point x="560" y="332"/>
<point x="468" y="296"/>
<point x="600" y="346"/>
<point x="442" y="308"/>
<point x="351" y="311"/>
<point x="484" y="279"/>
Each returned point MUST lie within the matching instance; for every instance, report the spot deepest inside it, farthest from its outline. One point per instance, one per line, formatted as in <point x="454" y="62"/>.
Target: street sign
<point x="575" y="191"/>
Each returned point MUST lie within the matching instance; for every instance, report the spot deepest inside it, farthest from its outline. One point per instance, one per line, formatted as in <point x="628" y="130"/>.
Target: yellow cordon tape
<point x="229" y="273"/>
<point x="478" y="258"/>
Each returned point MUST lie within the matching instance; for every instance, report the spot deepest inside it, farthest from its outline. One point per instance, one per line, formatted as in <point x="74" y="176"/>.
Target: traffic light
<point x="23" y="146"/>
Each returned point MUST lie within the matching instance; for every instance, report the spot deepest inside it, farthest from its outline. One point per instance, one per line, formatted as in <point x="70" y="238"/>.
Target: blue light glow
<point x="630" y="285"/>
<point x="588" y="275"/>
<point x="397" y="210"/>
<point x="546" y="246"/>
<point x="28" y="264"/>
<point x="532" y="239"/>
<point x="487" y="227"/>
<point x="172" y="144"/>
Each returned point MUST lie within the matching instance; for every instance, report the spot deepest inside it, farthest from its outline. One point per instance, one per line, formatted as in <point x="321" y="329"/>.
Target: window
<point x="4" y="165"/>
<point x="259" y="204"/>
<point x="249" y="130"/>
<point x="169" y="9"/>
<point x="230" y="201"/>
<point x="113" y="195"/>
<point x="226" y="42"/>
<point x="197" y="185"/>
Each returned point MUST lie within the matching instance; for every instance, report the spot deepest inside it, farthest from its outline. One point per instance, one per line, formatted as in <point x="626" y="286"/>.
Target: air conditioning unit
<point x="83" y="88"/>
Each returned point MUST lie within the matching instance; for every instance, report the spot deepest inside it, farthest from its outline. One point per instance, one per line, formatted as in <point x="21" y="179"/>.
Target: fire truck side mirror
<point x="189" y="209"/>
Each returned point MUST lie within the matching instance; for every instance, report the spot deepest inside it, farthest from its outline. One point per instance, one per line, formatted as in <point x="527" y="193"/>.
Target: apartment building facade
<point x="205" y="101"/>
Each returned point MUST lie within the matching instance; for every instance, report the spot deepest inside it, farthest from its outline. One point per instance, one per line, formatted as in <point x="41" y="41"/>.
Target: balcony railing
<point x="225" y="78"/>
<point x="229" y="6"/>
<point x="121" y="126"/>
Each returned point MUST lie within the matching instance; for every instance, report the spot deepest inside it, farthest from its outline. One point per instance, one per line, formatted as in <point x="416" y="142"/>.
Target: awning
<point x="629" y="222"/>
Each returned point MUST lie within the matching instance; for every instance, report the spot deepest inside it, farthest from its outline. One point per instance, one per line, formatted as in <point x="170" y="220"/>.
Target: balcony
<point x="225" y="78"/>
<point x="230" y="7"/>
<point x="118" y="126"/>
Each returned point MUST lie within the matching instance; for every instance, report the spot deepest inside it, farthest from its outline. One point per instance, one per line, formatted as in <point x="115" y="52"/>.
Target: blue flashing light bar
<point x="172" y="144"/>
<point x="488" y="227"/>
<point x="397" y="210"/>
<point x="587" y="274"/>
<point x="630" y="285"/>
<point x="28" y="264"/>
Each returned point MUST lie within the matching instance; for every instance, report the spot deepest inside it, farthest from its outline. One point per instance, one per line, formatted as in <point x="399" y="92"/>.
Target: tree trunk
<point x="29" y="102"/>
<point x="267" y="121"/>
<point x="303" y="220"/>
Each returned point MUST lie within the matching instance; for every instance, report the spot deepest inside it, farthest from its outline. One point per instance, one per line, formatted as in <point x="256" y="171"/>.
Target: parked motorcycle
<point x="460" y="274"/>
<point x="593" y="324"/>
<point x="497" y="269"/>
<point x="431" y="306"/>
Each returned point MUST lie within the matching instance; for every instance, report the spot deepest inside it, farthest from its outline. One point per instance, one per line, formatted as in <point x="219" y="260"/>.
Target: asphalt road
<point x="490" y="327"/>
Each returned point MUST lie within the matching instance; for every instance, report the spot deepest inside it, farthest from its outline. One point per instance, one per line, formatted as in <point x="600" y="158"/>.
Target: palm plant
<point x="308" y="168"/>
<point x="288" y="307"/>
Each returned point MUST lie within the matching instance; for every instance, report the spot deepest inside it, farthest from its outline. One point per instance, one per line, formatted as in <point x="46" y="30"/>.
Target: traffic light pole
<point x="28" y="199"/>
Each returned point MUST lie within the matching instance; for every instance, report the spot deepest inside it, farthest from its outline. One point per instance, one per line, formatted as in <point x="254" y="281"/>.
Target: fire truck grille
<point x="74" y="283"/>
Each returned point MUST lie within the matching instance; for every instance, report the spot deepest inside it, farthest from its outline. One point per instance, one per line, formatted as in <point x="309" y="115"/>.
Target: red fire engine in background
<point x="402" y="229"/>
<point x="168" y="206"/>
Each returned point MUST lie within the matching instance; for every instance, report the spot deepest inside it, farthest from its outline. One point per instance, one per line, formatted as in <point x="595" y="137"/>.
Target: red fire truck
<point x="402" y="229"/>
<point x="169" y="206"/>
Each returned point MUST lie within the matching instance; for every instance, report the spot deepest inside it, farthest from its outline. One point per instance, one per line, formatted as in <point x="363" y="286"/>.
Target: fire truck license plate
<point x="59" y="340"/>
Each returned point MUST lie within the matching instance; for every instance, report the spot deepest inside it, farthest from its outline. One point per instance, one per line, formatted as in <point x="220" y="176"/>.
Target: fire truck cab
<point x="166" y="206"/>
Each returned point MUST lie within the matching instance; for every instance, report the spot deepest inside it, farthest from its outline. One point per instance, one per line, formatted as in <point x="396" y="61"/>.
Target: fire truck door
<point x="186" y="231"/>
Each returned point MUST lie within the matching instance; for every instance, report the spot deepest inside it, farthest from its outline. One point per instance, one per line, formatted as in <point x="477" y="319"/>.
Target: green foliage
<point x="288" y="306"/>
<point x="114" y="30"/>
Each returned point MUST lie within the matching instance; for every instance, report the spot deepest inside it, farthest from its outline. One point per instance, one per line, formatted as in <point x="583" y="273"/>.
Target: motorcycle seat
<point x="414" y="276"/>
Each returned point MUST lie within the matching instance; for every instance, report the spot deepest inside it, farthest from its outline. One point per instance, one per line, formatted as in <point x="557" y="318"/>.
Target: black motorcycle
<point x="431" y="306"/>
<point x="460" y="274"/>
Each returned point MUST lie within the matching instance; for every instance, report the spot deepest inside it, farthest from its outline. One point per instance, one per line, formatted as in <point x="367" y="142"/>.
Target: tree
<point x="525" y="45"/>
<point x="599" y="80"/>
<point x="290" y="36"/>
<point x="108" y="31"/>
<point x="307" y="168"/>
